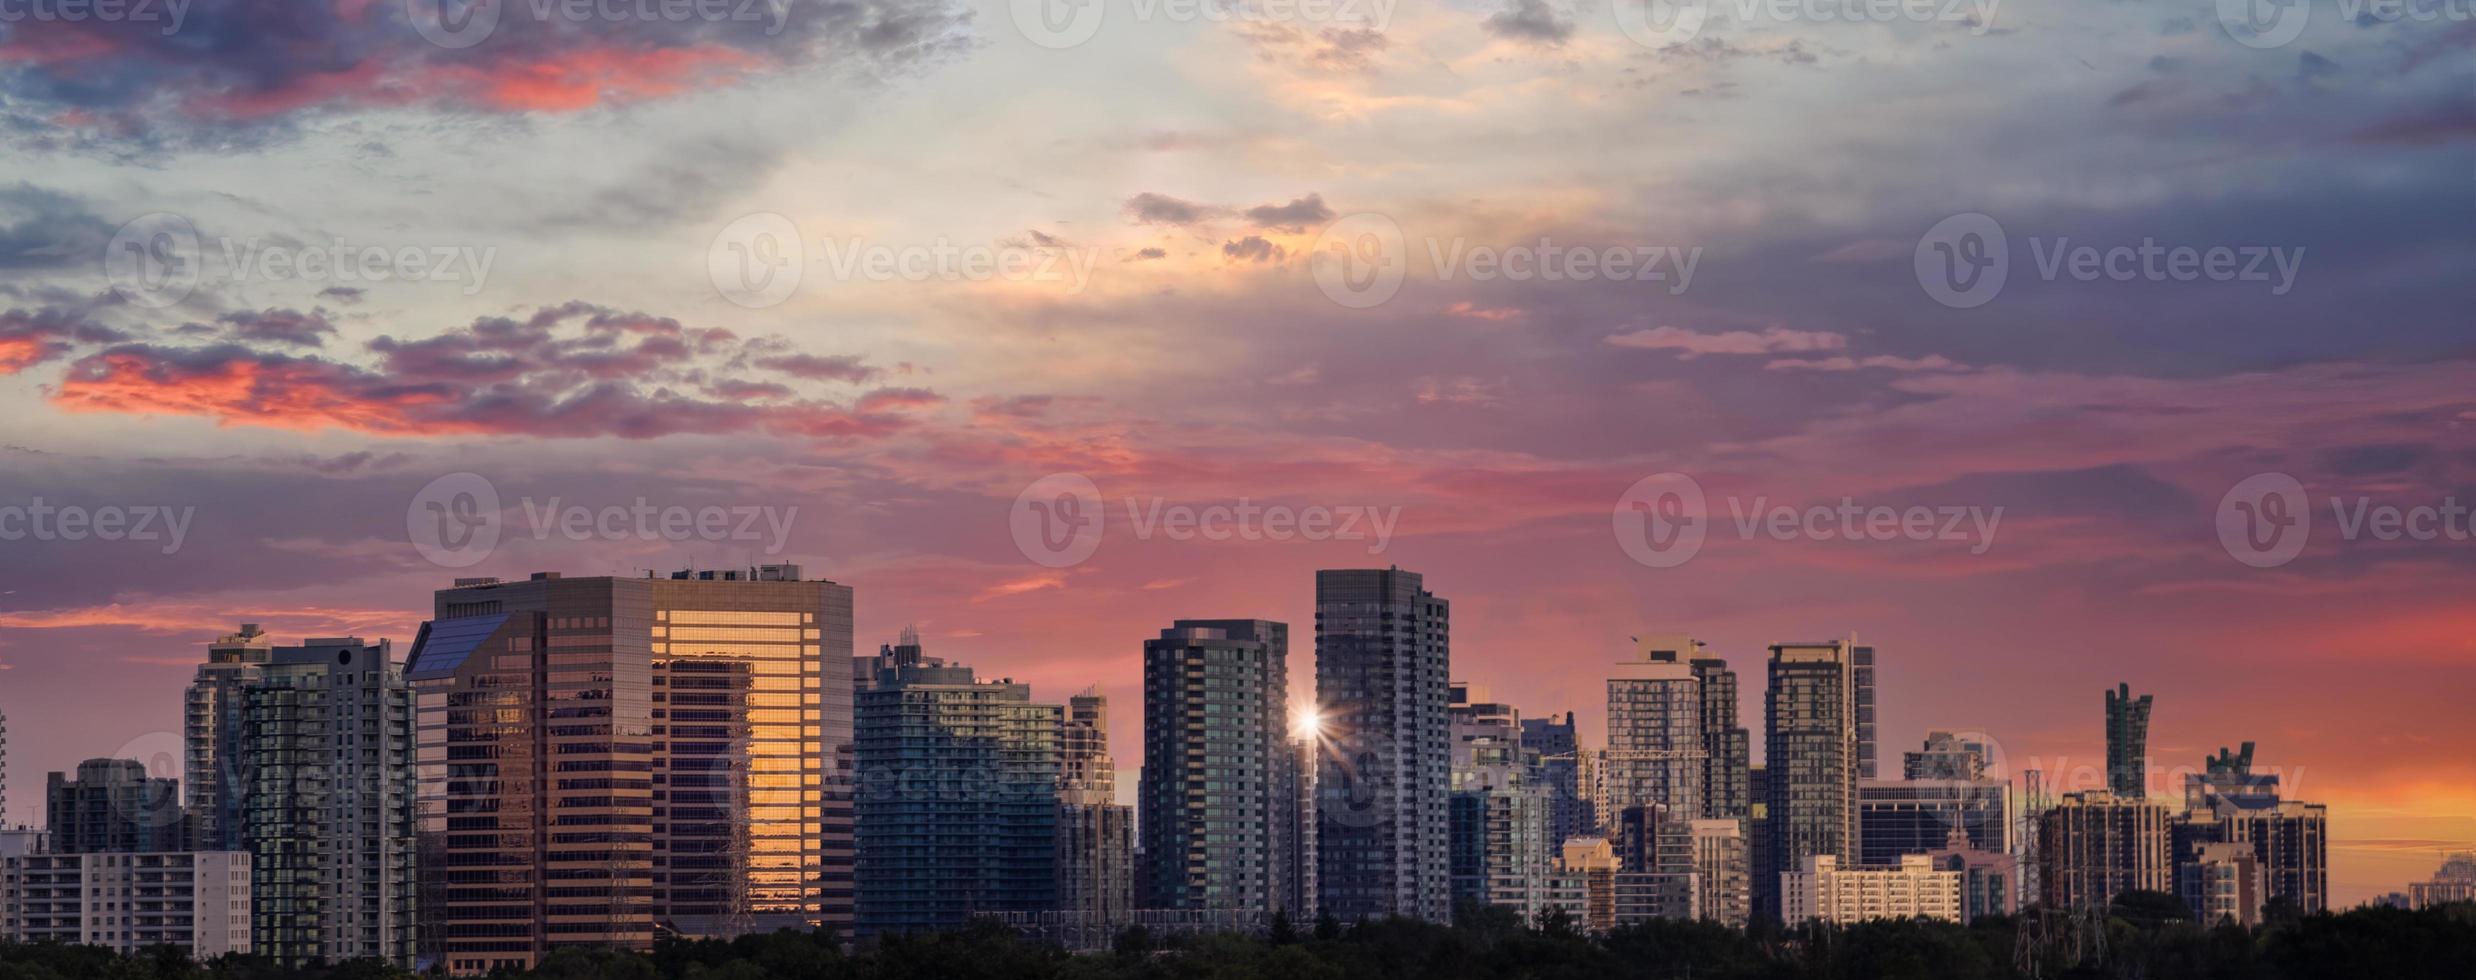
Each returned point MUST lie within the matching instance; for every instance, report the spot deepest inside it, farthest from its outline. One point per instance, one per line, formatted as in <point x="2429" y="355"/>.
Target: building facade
<point x="958" y="799"/>
<point x="1723" y="870"/>
<point x="2454" y="881"/>
<point x="1822" y="891"/>
<point x="598" y="755"/>
<point x="213" y="781"/>
<point x="1726" y="746"/>
<point x="1500" y="851"/>
<point x="1817" y="744"/>
<point x="2127" y="743"/>
<point x="1095" y="833"/>
<point x="1917" y="816"/>
<point x="2095" y="845"/>
<point x="1220" y="775"/>
<point x="303" y="757"/>
<point x="1554" y="753"/>
<point x="114" y="807"/>
<point x="2229" y="803"/>
<point x="1382" y="666"/>
<point x="2222" y="884"/>
<point x="1949" y="756"/>
<point x="1656" y="750"/>
<point x="1990" y="881"/>
<point x="193" y="901"/>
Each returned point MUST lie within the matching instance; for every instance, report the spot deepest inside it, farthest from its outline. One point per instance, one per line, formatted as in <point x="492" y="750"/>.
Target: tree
<point x="1283" y="934"/>
<point x="2149" y="908"/>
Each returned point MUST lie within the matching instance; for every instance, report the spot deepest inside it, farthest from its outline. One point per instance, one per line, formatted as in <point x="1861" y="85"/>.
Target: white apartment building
<point x="198" y="902"/>
<point x="1824" y="891"/>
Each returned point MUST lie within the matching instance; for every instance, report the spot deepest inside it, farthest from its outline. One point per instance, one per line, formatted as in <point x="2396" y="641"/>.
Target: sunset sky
<point x="582" y="187"/>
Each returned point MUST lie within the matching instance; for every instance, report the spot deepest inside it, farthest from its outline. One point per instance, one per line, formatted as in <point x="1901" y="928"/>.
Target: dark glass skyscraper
<point x="598" y="754"/>
<point x="2127" y="743"/>
<point x="1726" y="746"/>
<point x="1220" y="779"/>
<point x="958" y="798"/>
<point x="1382" y="666"/>
<point x="1818" y="704"/>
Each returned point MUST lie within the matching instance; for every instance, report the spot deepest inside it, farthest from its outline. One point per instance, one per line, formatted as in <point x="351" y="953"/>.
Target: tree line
<point x="2141" y="937"/>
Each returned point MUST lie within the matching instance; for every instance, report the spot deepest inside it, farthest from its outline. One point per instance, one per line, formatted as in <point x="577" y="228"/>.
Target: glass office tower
<point x="599" y="755"/>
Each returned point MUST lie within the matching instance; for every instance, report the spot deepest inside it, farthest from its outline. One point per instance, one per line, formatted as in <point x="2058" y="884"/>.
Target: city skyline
<point x="1989" y="752"/>
<point x="2046" y="346"/>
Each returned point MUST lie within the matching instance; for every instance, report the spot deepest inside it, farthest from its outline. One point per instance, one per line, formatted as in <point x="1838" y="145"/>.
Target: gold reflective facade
<point x="604" y="759"/>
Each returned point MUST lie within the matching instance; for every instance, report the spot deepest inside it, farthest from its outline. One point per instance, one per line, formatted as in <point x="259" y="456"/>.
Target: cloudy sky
<point x="1442" y="283"/>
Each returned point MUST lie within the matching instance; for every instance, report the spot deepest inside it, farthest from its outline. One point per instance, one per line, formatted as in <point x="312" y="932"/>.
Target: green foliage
<point x="2144" y="939"/>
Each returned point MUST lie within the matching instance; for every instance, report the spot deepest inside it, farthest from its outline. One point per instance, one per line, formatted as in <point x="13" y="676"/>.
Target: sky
<point x="2041" y="345"/>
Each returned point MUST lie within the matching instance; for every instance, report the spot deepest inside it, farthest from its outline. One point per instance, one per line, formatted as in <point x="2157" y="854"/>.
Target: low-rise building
<point x="1989" y="882"/>
<point x="197" y="902"/>
<point x="2455" y="881"/>
<point x="2222" y="883"/>
<point x="1822" y="891"/>
<point x="1723" y="872"/>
